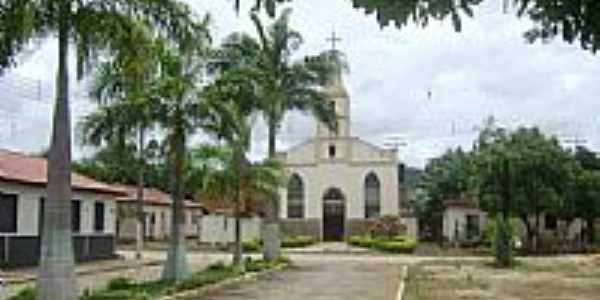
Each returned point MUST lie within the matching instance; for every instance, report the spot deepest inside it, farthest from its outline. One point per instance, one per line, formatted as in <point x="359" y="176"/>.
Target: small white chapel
<point x="338" y="185"/>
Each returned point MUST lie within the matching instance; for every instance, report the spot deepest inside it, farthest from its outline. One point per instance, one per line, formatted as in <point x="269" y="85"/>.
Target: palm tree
<point x="121" y="82"/>
<point x="231" y="101"/>
<point x="284" y="85"/>
<point x="91" y="25"/>
<point x="180" y="106"/>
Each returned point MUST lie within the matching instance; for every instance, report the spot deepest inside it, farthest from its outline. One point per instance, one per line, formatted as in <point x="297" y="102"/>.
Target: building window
<point x="295" y="197"/>
<point x="372" y="196"/>
<point x="331" y="151"/>
<point x="551" y="222"/>
<point x="76" y="216"/>
<point x="99" y="217"/>
<point x="8" y="213"/>
<point x="472" y="226"/>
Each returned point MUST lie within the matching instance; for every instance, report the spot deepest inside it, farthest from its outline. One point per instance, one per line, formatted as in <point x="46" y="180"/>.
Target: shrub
<point x="251" y="246"/>
<point x="502" y="243"/>
<point x="210" y="276"/>
<point x="298" y="241"/>
<point x="25" y="294"/>
<point x="405" y="245"/>
<point x="120" y="284"/>
<point x="364" y="241"/>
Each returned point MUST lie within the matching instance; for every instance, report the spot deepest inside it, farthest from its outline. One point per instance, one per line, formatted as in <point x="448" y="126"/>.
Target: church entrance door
<point x="333" y="215"/>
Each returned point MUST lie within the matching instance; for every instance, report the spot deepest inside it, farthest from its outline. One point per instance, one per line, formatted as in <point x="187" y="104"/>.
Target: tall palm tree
<point x="177" y="91"/>
<point x="232" y="101"/>
<point x="121" y="82"/>
<point x="91" y="26"/>
<point x="284" y="85"/>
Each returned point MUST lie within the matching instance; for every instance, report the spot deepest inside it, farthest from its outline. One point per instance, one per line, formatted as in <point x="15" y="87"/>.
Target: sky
<point x="431" y="88"/>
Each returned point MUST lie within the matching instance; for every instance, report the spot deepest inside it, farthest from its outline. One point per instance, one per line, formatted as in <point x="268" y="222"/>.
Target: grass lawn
<point x="542" y="278"/>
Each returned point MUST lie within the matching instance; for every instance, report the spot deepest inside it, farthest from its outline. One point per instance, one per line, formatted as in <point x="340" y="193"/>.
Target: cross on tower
<point x="333" y="39"/>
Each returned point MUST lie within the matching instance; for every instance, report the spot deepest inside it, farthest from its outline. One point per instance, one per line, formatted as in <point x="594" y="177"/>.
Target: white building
<point x="338" y="184"/>
<point x="465" y="222"/>
<point x="157" y="214"/>
<point x="22" y="197"/>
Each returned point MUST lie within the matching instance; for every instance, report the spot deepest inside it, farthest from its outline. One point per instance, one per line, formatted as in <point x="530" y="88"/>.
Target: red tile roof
<point x="27" y="169"/>
<point x="152" y="196"/>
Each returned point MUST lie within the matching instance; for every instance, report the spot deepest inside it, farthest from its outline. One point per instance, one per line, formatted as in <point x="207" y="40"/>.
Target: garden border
<point x="247" y="277"/>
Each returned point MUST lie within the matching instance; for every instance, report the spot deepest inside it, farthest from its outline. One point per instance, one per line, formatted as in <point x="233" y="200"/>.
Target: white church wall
<point x="350" y="180"/>
<point x="363" y="151"/>
<point x="301" y="154"/>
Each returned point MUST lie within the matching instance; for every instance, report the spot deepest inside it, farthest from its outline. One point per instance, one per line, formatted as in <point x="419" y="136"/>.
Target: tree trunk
<point x="529" y="231"/>
<point x="536" y="237"/>
<point x="591" y="234"/>
<point x="56" y="278"/>
<point x="139" y="236"/>
<point x="176" y="267"/>
<point x="237" y="255"/>
<point x="271" y="241"/>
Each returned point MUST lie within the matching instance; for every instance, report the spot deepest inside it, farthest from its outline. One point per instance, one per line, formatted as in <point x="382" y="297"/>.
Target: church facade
<point x="337" y="184"/>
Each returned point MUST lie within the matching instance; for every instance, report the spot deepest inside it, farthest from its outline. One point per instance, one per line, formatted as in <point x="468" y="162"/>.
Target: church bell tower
<point x="338" y="96"/>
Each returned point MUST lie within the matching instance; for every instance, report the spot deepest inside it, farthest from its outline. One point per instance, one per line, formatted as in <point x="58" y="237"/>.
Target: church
<point x="337" y="184"/>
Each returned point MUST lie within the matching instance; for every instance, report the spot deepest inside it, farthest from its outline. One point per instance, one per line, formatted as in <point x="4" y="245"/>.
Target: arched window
<point x="372" y="196"/>
<point x="295" y="197"/>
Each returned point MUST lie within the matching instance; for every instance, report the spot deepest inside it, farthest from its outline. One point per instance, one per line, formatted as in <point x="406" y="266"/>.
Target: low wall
<point x="359" y="226"/>
<point x="17" y="251"/>
<point x="297" y="227"/>
<point x="221" y="229"/>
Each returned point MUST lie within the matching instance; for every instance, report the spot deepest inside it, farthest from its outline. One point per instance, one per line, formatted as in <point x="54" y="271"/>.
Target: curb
<point x="225" y="283"/>
<point x="402" y="285"/>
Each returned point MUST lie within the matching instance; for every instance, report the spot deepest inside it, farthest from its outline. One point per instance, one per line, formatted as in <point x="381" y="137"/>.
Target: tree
<point x="282" y="86"/>
<point x="231" y="102"/>
<point x="91" y="26"/>
<point x="447" y="177"/>
<point x="571" y="20"/>
<point x="585" y="191"/>
<point x="177" y="91"/>
<point x="119" y="88"/>
<point x="523" y="173"/>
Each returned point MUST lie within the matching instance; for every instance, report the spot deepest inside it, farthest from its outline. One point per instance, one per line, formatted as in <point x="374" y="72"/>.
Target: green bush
<point x="251" y="246"/>
<point x="210" y="276"/>
<point x="298" y="241"/>
<point x="502" y="243"/>
<point x="406" y="245"/>
<point x="120" y="284"/>
<point x="364" y="241"/>
<point x="25" y="294"/>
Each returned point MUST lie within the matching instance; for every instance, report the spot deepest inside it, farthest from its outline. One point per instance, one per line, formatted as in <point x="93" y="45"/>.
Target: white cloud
<point x="486" y="69"/>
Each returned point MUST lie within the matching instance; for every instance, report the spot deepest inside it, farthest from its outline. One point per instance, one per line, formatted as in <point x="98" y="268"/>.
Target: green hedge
<point x="406" y="246"/>
<point x="297" y="241"/>
<point x="397" y="244"/>
<point x="362" y="241"/>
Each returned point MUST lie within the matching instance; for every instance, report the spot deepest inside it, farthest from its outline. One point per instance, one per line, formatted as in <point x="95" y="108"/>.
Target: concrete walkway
<point x="327" y="248"/>
<point x="324" y="278"/>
